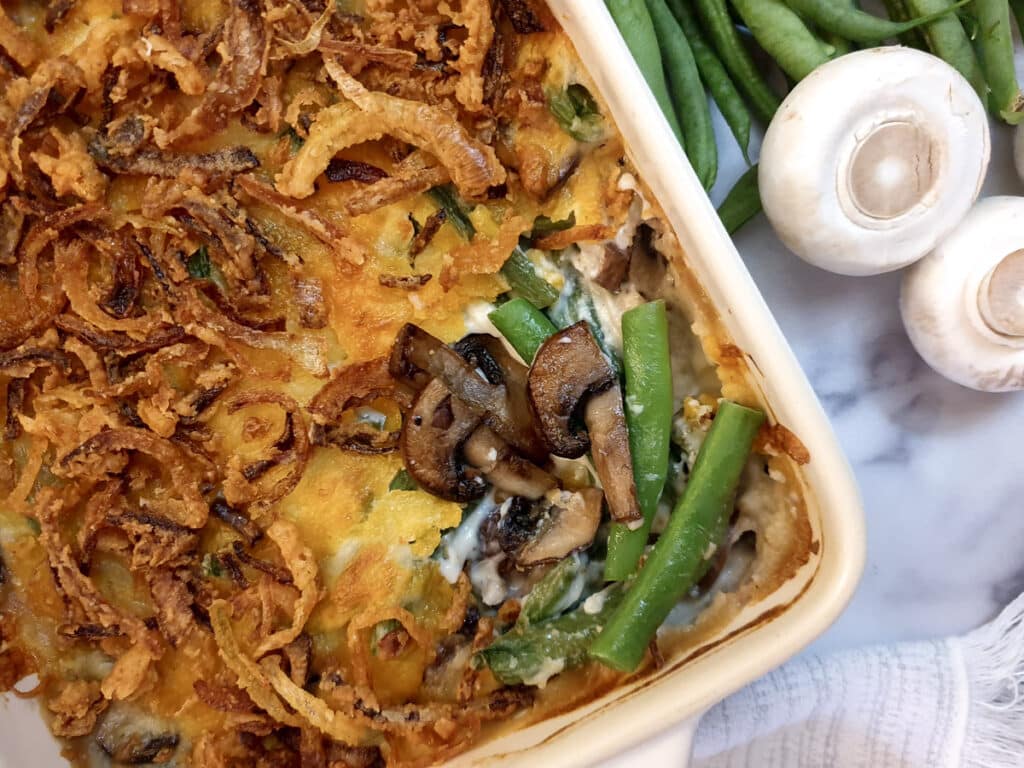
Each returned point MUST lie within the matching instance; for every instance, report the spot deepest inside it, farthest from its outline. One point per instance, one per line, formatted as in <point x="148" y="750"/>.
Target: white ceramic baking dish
<point x="640" y="716"/>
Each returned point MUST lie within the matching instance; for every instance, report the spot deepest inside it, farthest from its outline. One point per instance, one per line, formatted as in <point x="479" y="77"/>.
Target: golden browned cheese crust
<point x="215" y="217"/>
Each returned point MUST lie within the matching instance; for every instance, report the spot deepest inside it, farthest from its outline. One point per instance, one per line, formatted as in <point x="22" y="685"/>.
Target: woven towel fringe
<point x="993" y="656"/>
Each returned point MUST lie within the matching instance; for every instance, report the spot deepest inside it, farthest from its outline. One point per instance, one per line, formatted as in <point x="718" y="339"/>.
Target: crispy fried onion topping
<point x="302" y="567"/>
<point x="369" y="115"/>
<point x="355" y="715"/>
<point x="94" y="457"/>
<point x="475" y="16"/>
<point x="353" y="386"/>
<point x="254" y="483"/>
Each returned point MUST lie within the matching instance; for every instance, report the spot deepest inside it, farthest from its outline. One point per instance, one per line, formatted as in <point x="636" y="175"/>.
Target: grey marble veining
<point x="941" y="468"/>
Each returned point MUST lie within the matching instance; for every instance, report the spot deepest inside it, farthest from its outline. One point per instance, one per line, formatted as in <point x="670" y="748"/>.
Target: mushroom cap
<point x="872" y="159"/>
<point x="963" y="304"/>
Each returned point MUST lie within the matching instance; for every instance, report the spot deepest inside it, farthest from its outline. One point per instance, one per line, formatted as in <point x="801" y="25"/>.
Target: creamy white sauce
<point x="548" y="669"/>
<point x="486" y="580"/>
<point x="463" y="543"/>
<point x="595" y="603"/>
<point x="571" y="595"/>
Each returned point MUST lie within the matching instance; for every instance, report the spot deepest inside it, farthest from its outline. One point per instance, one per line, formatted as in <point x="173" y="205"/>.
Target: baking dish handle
<point x="670" y="748"/>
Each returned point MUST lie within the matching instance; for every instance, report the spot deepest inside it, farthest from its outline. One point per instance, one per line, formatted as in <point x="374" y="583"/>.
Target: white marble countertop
<point x="941" y="468"/>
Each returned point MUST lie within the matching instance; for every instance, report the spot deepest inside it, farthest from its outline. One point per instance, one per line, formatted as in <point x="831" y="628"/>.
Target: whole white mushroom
<point x="872" y="159"/>
<point x="963" y="304"/>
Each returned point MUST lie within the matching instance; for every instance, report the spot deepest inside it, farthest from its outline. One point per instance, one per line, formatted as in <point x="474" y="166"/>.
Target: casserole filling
<point x="277" y="488"/>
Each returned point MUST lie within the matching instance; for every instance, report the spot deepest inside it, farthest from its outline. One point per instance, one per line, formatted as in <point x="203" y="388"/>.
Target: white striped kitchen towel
<point x="955" y="703"/>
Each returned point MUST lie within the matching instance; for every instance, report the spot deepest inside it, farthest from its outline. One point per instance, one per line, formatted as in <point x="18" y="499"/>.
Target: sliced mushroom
<point x="418" y="357"/>
<point x="504" y="469"/>
<point x="567" y="369"/>
<point x="569" y="524"/>
<point x="490" y="356"/>
<point x="572" y="385"/>
<point x="431" y="442"/>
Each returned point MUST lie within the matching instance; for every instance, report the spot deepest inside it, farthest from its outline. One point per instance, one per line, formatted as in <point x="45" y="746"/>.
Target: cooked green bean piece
<point x="697" y="527"/>
<point x="784" y="36"/>
<point x="947" y="39"/>
<point x="550" y="595"/>
<point x="637" y="29"/>
<point x="522" y="278"/>
<point x="446" y="197"/>
<point x="574" y="304"/>
<point x="742" y="203"/>
<point x="525" y="326"/>
<point x="402" y="481"/>
<point x="687" y="93"/>
<point x="715" y="77"/>
<point x="532" y="655"/>
<point x="995" y="45"/>
<point x="857" y="25"/>
<point x="734" y="55"/>
<point x="648" y="369"/>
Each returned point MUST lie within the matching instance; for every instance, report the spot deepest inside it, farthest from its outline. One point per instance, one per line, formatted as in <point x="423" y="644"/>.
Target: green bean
<point x="446" y="197"/>
<point x="687" y="93"/>
<point x="548" y="597"/>
<point x="525" y="326"/>
<point x="648" y="368"/>
<point x="947" y="39"/>
<point x="637" y="29"/>
<point x="897" y="11"/>
<point x="858" y="26"/>
<point x="402" y="481"/>
<point x="712" y="72"/>
<point x="742" y="203"/>
<point x="532" y="655"/>
<point x="697" y="527"/>
<point x="783" y="36"/>
<point x="995" y="44"/>
<point x="1017" y="6"/>
<point x="745" y="73"/>
<point x="522" y="278"/>
<point x="574" y="304"/>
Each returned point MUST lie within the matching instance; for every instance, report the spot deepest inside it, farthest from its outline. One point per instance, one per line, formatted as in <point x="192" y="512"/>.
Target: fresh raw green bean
<point x="687" y="93"/>
<point x="897" y="11"/>
<point x="698" y="525"/>
<point x="525" y="326"/>
<point x="742" y="203"/>
<point x="857" y="25"/>
<point x="522" y="278"/>
<point x="995" y="44"/>
<point x="947" y="39"/>
<point x="715" y="77"/>
<point x="549" y="596"/>
<point x="784" y="36"/>
<point x="532" y="655"/>
<point x="648" y="368"/>
<point x="1017" y="6"/>
<point x="745" y="73"/>
<point x="637" y="29"/>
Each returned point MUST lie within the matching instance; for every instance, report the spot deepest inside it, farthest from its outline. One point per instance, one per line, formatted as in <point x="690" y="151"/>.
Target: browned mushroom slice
<point x="490" y="356"/>
<point x="578" y="403"/>
<point x="432" y="439"/>
<point x="504" y="469"/>
<point x="567" y="369"/>
<point x="609" y="449"/>
<point x="417" y="357"/>
<point x="569" y="525"/>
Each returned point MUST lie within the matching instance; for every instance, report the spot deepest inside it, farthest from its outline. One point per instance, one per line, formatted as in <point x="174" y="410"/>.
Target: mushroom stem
<point x="1001" y="296"/>
<point x="505" y="470"/>
<point x="609" y="445"/>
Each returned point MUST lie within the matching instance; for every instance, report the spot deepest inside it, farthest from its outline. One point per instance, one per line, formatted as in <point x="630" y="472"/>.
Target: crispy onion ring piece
<point x="299" y="559"/>
<point x="292" y="445"/>
<point x="238" y="78"/>
<point x="250" y="677"/>
<point x="190" y="511"/>
<point x="370" y="115"/>
<point x="476" y="18"/>
<point x="313" y="709"/>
